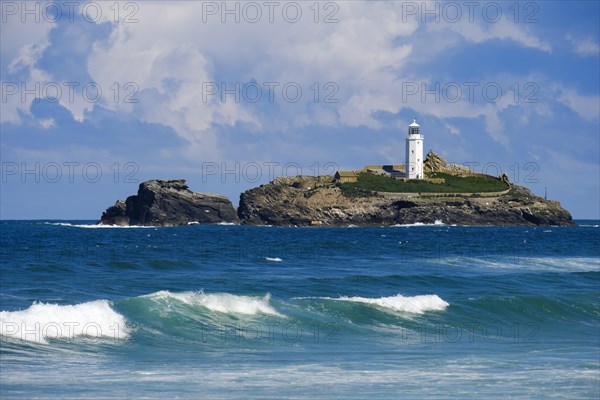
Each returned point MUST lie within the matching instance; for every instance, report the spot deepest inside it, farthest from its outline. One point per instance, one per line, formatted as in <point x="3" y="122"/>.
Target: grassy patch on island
<point x="351" y="191"/>
<point x="453" y="184"/>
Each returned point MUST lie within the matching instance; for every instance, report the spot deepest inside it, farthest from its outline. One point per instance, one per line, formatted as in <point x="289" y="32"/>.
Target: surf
<point x="43" y="321"/>
<point x="419" y="304"/>
<point x="225" y="303"/>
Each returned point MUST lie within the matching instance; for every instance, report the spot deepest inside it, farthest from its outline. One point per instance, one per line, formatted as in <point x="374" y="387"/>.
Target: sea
<point x="240" y="312"/>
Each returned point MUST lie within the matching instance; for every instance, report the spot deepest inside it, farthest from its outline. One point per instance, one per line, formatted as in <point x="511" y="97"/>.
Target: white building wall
<point x="414" y="157"/>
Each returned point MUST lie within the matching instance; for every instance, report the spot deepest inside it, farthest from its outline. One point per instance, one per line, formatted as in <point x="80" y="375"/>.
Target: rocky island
<point x="382" y="195"/>
<point x="169" y="203"/>
<point x="323" y="201"/>
<point x="306" y="201"/>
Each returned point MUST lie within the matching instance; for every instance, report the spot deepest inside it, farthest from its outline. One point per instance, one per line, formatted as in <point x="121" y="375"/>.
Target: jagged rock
<point x="169" y="203"/>
<point x="285" y="204"/>
<point x="436" y="163"/>
<point x="433" y="162"/>
<point x="116" y="215"/>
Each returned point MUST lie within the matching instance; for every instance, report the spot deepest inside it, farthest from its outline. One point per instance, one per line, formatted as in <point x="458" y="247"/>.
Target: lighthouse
<point x="414" y="152"/>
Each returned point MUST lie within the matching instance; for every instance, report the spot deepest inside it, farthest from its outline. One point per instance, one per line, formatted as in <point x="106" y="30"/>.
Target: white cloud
<point x="507" y="30"/>
<point x="21" y="44"/>
<point x="585" y="47"/>
<point x="171" y="52"/>
<point x="587" y="107"/>
<point x="47" y="123"/>
<point x="479" y="32"/>
<point x="16" y="35"/>
<point x="171" y="57"/>
<point x="452" y="129"/>
<point x="27" y="56"/>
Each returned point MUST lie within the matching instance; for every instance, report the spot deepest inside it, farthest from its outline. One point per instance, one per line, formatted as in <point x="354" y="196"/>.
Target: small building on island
<point x="346" y="177"/>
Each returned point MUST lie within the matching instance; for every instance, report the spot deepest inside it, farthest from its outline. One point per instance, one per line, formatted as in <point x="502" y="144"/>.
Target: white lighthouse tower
<point x="414" y="152"/>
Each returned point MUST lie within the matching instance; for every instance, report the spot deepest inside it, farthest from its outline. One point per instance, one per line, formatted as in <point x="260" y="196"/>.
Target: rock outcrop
<point x="285" y="203"/>
<point x="436" y="163"/>
<point x="306" y="201"/>
<point x="169" y="203"/>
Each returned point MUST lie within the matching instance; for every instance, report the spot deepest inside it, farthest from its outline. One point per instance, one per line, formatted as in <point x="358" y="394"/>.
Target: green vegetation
<point x="453" y="184"/>
<point x="351" y="191"/>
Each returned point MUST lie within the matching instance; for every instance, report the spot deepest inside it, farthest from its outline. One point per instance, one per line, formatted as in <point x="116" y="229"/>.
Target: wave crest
<point x="409" y="304"/>
<point x="221" y="302"/>
<point x="44" y="321"/>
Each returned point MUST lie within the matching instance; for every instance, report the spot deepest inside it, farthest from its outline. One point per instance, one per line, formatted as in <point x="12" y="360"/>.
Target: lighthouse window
<point x="412" y="152"/>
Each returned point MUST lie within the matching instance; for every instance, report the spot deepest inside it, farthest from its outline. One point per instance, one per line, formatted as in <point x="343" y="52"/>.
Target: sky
<point x="100" y="96"/>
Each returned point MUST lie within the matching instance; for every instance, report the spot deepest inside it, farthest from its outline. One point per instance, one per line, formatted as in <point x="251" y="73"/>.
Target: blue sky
<point x="99" y="96"/>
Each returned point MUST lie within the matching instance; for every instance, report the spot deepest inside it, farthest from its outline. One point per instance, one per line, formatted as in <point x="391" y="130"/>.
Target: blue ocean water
<point x="225" y="311"/>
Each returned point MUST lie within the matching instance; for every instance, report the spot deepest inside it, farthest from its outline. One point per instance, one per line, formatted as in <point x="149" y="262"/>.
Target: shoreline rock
<point x="169" y="203"/>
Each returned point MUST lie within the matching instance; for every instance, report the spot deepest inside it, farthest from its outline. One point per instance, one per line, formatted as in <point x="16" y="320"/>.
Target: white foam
<point x="99" y="226"/>
<point x="221" y="302"/>
<point x="554" y="264"/>
<point x="223" y="223"/>
<point x="218" y="223"/>
<point x="410" y="304"/>
<point x="44" y="321"/>
<point x="274" y="259"/>
<point x="436" y="223"/>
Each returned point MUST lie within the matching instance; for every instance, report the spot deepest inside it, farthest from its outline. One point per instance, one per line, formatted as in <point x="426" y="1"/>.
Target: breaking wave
<point x="408" y="304"/>
<point x="43" y="321"/>
<point x="220" y="302"/>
